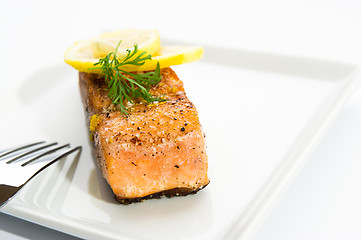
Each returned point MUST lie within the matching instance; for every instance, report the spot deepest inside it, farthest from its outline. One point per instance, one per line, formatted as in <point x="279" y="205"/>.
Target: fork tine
<point x="43" y="154"/>
<point x="12" y="150"/>
<point x="78" y="148"/>
<point x="29" y="152"/>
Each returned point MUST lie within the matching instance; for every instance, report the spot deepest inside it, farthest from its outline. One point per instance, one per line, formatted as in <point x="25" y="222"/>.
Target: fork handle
<point x="7" y="192"/>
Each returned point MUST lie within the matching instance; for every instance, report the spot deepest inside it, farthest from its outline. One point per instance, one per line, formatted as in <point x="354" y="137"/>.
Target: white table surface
<point x="324" y="200"/>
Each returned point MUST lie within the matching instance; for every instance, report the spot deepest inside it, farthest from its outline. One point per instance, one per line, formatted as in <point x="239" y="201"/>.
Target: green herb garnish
<point x="126" y="86"/>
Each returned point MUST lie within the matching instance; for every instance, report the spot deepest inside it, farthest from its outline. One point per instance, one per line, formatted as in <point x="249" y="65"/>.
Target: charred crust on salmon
<point x="176" y="192"/>
<point x="157" y="150"/>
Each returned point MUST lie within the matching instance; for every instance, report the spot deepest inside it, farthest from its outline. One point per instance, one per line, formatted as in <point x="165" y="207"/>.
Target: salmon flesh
<point x="158" y="149"/>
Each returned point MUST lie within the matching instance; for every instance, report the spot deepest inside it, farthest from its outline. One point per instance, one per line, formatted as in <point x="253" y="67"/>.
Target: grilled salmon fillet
<point x="157" y="150"/>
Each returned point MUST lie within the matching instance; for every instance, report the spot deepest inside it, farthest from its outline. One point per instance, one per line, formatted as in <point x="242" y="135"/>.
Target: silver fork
<point x="20" y="164"/>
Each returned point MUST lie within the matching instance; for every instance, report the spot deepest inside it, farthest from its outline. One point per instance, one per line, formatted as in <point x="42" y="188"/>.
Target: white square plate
<point x="263" y="114"/>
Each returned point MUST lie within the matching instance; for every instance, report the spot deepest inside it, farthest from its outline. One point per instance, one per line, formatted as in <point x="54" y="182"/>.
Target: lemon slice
<point x="80" y="56"/>
<point x="147" y="40"/>
<point x="170" y="56"/>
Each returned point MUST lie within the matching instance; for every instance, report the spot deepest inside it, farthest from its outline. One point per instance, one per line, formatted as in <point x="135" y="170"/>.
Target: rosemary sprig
<point x="127" y="86"/>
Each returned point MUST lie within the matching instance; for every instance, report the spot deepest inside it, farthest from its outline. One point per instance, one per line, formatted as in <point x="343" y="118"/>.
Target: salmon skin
<point x="158" y="149"/>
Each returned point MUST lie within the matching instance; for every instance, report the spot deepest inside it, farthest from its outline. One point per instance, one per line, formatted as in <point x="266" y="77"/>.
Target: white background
<point x="324" y="200"/>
